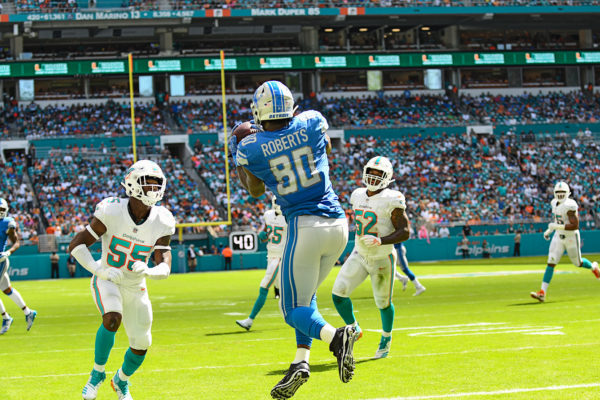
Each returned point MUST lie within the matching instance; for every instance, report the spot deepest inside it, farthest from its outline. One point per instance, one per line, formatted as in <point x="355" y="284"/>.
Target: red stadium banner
<point x="3" y="17"/>
<point x="352" y="11"/>
<point x="218" y="12"/>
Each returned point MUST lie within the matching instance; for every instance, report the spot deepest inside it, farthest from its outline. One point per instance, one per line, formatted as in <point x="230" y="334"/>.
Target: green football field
<point x="473" y="334"/>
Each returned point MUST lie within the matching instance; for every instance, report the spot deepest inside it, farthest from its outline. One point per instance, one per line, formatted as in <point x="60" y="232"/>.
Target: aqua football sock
<point x="344" y="307"/>
<point x="105" y="341"/>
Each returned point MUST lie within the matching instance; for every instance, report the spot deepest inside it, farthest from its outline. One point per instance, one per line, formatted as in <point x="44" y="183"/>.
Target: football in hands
<point x="242" y="130"/>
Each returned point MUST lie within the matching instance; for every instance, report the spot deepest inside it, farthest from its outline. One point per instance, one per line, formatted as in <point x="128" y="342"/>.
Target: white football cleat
<point x="121" y="387"/>
<point x="90" y="390"/>
<point x="6" y="323"/>
<point x="384" y="347"/>
<point x="402" y="279"/>
<point x="540" y="296"/>
<point x="419" y="289"/>
<point x="244" y="323"/>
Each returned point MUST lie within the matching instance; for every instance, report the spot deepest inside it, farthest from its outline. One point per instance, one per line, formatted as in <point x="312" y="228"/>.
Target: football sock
<point x="585" y="263"/>
<point x="387" y="318"/>
<point x="328" y="333"/>
<point x="547" y="277"/>
<point x="405" y="269"/>
<point x="99" y="368"/>
<point x="302" y="354"/>
<point x="130" y="364"/>
<point x="3" y="310"/>
<point x="416" y="282"/>
<point x="16" y="297"/>
<point x="105" y="341"/>
<point x="344" y="307"/>
<point x="260" y="302"/>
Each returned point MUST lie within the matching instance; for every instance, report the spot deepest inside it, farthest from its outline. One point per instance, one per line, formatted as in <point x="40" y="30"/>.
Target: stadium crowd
<point x="109" y="119"/>
<point x="452" y="180"/>
<point x="187" y="116"/>
<point x="21" y="200"/>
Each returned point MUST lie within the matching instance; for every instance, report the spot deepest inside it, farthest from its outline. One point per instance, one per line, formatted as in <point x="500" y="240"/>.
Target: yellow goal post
<point x="225" y="140"/>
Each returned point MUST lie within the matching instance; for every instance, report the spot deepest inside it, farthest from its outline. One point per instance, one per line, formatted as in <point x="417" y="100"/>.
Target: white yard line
<point x="493" y="393"/>
<point x="490" y="273"/>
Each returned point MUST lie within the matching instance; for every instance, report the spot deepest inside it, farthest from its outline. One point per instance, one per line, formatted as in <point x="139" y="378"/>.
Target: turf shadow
<point x="313" y="368"/>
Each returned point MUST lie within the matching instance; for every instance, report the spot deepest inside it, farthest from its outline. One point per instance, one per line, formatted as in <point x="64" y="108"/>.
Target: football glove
<point x="110" y="274"/>
<point x="4" y="255"/>
<point x="370" y="241"/>
<point x="262" y="236"/>
<point x="139" y="268"/>
<point x="548" y="233"/>
<point x="233" y="144"/>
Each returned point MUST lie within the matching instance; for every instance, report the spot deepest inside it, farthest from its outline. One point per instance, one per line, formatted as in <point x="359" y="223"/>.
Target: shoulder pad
<point x="571" y="205"/>
<point x="11" y="223"/>
<point x="314" y="119"/>
<point x="167" y="219"/>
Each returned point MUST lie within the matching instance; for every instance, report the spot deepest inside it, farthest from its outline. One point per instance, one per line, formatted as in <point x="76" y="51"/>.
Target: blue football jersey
<point x="5" y="225"/>
<point x="293" y="164"/>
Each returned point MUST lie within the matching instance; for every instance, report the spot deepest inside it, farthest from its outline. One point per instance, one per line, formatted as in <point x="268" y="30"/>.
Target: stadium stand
<point x="453" y="179"/>
<point x="390" y="111"/>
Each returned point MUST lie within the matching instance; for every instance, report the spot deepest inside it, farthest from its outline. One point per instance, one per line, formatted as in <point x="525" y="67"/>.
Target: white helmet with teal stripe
<point x="3" y="208"/>
<point x="376" y="182"/>
<point x="272" y="100"/>
<point x="561" y="191"/>
<point x="137" y="182"/>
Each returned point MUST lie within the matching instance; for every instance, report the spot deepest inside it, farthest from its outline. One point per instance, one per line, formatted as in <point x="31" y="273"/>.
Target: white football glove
<point x="110" y="274"/>
<point x="4" y="255"/>
<point x="370" y="241"/>
<point x="139" y="268"/>
<point x="548" y="233"/>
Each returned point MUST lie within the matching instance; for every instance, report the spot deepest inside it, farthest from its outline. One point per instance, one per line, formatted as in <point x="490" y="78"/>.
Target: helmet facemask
<point x="145" y="181"/>
<point x="375" y="181"/>
<point x="561" y="192"/>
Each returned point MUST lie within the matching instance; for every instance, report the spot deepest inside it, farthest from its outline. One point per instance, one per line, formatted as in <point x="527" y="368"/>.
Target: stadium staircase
<point x="202" y="185"/>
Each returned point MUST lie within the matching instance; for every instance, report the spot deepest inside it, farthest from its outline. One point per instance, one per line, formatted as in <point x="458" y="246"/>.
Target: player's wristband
<point x="84" y="257"/>
<point x="91" y="231"/>
<point x="161" y="271"/>
<point x="162" y="247"/>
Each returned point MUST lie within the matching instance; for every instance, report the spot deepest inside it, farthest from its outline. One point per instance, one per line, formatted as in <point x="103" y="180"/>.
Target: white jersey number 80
<point x="288" y="175"/>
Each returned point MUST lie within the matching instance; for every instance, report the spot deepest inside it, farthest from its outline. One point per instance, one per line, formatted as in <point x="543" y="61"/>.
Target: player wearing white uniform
<point x="381" y="222"/>
<point x="131" y="229"/>
<point x="8" y="231"/>
<point x="565" y="226"/>
<point x="276" y="231"/>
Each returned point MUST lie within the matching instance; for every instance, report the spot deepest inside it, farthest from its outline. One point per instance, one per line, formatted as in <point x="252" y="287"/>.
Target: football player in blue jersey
<point x="289" y="156"/>
<point x="419" y="288"/>
<point x="8" y="230"/>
